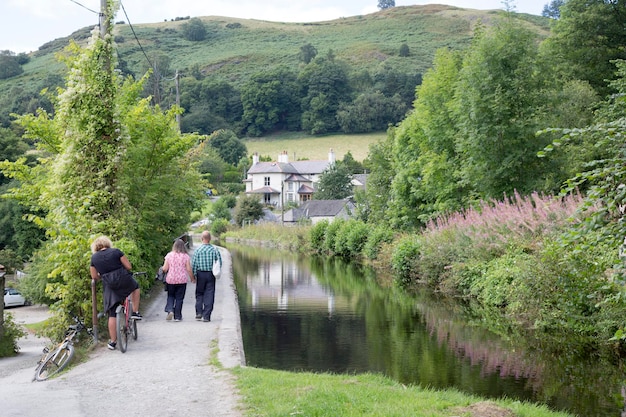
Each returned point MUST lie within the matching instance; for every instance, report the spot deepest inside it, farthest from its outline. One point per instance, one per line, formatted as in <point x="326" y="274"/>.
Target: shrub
<point x="331" y="235"/>
<point x="380" y="234"/>
<point x="219" y="226"/>
<point x="356" y="237"/>
<point x="405" y="259"/>
<point x="317" y="235"/>
<point x="12" y="332"/>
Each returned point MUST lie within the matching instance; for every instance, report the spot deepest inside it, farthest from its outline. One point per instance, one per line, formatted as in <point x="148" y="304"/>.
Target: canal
<point x="324" y="315"/>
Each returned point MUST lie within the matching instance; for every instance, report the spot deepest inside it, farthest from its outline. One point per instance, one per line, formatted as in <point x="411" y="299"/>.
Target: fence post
<point x="94" y="310"/>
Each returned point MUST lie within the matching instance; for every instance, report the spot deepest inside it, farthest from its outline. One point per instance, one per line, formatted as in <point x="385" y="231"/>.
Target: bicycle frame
<point x="55" y="360"/>
<point x="125" y="324"/>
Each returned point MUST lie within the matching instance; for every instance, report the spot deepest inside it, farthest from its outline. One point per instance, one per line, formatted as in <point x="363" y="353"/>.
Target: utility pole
<point x="104" y="21"/>
<point x="176" y="78"/>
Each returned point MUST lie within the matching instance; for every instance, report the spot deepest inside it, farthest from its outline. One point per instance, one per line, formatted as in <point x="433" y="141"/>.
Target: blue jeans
<point x="205" y="294"/>
<point x="175" y="297"/>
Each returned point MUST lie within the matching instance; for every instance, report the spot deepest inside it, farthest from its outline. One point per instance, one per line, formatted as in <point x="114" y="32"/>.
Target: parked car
<point x="13" y="297"/>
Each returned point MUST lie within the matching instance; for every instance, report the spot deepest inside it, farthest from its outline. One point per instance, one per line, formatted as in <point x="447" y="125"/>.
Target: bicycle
<point x="125" y="324"/>
<point x="54" y="361"/>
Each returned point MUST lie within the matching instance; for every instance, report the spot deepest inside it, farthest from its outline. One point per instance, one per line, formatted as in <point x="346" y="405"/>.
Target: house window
<point x="290" y="197"/>
<point x="290" y="186"/>
<point x="305" y="197"/>
<point x="267" y="199"/>
<point x="267" y="181"/>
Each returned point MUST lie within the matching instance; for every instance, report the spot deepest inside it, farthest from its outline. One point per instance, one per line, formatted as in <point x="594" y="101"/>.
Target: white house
<point x="283" y="182"/>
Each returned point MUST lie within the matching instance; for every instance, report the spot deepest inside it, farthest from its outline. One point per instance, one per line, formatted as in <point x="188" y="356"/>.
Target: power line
<point x="83" y="6"/>
<point x="135" y="35"/>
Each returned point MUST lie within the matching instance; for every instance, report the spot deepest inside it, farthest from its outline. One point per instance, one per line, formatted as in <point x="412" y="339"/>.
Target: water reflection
<point x="301" y="313"/>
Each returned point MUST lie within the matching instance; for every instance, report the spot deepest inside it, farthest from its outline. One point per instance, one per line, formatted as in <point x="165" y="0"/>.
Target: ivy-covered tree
<point x="111" y="159"/>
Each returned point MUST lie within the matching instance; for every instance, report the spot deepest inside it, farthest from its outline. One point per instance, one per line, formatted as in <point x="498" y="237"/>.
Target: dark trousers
<point x="175" y="297"/>
<point x="205" y="294"/>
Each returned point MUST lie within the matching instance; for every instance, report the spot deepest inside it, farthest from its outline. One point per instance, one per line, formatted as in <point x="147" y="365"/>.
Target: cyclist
<point x="113" y="267"/>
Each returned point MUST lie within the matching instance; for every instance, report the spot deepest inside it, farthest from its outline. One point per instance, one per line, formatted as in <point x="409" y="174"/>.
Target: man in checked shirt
<point x="202" y="265"/>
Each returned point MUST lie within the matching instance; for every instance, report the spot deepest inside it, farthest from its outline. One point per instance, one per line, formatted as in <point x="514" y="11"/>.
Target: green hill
<point x="234" y="49"/>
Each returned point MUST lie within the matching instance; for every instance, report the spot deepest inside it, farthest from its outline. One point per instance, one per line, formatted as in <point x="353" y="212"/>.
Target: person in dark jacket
<point x="113" y="268"/>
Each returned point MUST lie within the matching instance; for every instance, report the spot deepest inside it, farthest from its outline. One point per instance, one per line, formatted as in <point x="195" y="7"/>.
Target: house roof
<point x="359" y="179"/>
<point x="264" y="190"/>
<point x="305" y="189"/>
<point x="323" y="208"/>
<point x="297" y="177"/>
<point x="296" y="167"/>
<point x="272" y="167"/>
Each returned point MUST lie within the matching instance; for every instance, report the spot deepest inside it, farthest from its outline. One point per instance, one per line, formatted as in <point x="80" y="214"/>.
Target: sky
<point x="25" y="25"/>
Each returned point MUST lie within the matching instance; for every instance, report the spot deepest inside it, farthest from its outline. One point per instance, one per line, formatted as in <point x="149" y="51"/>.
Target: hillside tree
<point x="386" y="4"/>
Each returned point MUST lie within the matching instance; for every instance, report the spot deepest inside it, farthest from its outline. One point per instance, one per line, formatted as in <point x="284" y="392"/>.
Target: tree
<point x="110" y="160"/>
<point x="370" y="112"/>
<point x="248" y="209"/>
<point x="589" y="35"/>
<point x="9" y="65"/>
<point x="307" y="53"/>
<point x="404" y="50"/>
<point x="495" y="112"/>
<point x="386" y="4"/>
<point x="553" y="9"/>
<point x="194" y="30"/>
<point x="270" y="101"/>
<point x="335" y="183"/>
<point x="325" y="85"/>
<point x="228" y="146"/>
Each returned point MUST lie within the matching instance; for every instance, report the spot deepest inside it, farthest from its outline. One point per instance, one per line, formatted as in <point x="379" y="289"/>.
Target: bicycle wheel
<point x="122" y="330"/>
<point x="55" y="362"/>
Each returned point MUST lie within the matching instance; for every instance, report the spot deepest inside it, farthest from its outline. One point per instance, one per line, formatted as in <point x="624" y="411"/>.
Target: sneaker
<point x="198" y="316"/>
<point x="206" y="320"/>
<point x="136" y="315"/>
<point x="177" y="319"/>
<point x="170" y="316"/>
<point x="111" y="345"/>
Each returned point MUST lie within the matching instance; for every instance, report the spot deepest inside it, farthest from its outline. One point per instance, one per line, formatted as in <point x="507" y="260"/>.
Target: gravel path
<point x="166" y="372"/>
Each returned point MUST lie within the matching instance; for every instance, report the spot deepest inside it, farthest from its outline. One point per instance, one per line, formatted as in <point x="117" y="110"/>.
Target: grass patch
<point x="272" y="235"/>
<point x="277" y="393"/>
<point x="302" y="146"/>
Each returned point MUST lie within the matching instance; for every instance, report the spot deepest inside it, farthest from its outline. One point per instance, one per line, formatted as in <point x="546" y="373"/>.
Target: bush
<point x="380" y="234"/>
<point x="405" y="259"/>
<point x="12" y="332"/>
<point x="356" y="237"/>
<point x="331" y="235"/>
<point x="317" y="235"/>
<point x="219" y="226"/>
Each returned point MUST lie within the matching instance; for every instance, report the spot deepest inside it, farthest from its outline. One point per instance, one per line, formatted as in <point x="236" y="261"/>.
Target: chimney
<point x="255" y="158"/>
<point x="283" y="157"/>
<point x="331" y="156"/>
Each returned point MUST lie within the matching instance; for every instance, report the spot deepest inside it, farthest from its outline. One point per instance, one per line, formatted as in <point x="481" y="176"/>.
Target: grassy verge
<point x="277" y="393"/>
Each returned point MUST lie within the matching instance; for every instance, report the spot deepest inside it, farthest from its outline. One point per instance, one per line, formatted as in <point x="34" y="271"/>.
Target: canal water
<point x="325" y="315"/>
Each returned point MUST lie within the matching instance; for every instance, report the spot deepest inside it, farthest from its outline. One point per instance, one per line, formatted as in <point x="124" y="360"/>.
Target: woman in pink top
<point x="178" y="267"/>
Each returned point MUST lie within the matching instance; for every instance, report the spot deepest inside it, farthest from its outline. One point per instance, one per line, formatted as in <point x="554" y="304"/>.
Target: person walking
<point x="178" y="267"/>
<point x="202" y="267"/>
<point x="113" y="267"/>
